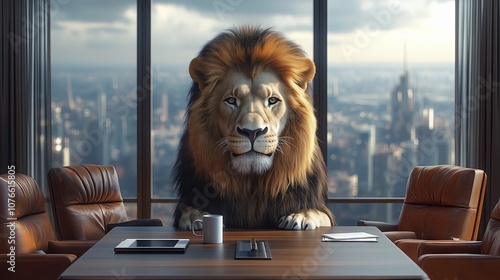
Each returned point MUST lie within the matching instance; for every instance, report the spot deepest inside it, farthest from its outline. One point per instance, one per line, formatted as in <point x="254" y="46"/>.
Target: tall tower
<point x="402" y="108"/>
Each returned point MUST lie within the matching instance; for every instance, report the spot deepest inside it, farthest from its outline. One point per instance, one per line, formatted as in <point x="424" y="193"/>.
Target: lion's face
<point x="251" y="116"/>
<point x="250" y="112"/>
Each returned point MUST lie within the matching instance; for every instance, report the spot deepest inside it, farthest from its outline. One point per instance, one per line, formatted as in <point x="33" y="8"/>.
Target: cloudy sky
<point x="96" y="32"/>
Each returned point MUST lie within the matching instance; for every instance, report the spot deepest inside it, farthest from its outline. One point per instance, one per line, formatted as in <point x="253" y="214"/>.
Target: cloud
<point x="348" y="16"/>
<point x="91" y="10"/>
<point x="425" y="27"/>
<point x="180" y="28"/>
<point x="344" y="16"/>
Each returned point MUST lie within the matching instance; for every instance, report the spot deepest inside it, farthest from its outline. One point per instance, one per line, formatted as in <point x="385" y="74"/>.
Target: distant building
<point x="402" y="111"/>
<point x="381" y="159"/>
<point x="434" y="139"/>
<point x="363" y="153"/>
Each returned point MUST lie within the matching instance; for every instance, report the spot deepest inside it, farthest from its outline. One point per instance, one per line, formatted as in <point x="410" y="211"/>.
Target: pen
<point x="253" y="244"/>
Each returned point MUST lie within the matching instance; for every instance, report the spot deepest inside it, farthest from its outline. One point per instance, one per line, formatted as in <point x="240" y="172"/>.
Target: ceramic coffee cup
<point x="212" y="228"/>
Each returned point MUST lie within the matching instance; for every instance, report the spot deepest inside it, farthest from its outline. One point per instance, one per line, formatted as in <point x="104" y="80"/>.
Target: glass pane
<point x="131" y="208"/>
<point x="390" y="94"/>
<point x="179" y="31"/>
<point x="93" y="56"/>
<point x="164" y="212"/>
<point x="348" y="214"/>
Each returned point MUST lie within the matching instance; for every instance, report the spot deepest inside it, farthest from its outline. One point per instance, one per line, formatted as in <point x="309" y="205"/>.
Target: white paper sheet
<point x="349" y="236"/>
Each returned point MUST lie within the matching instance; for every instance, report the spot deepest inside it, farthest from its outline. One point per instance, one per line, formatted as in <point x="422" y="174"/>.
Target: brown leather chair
<point x="442" y="202"/>
<point x="464" y="259"/>
<point x="87" y="202"/>
<point x="24" y="221"/>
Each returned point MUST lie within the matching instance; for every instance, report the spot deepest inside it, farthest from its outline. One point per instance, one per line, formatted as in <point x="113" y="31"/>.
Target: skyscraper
<point x="402" y="111"/>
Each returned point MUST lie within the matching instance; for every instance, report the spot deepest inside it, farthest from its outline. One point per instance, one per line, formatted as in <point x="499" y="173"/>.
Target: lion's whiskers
<point x="222" y="145"/>
<point x="284" y="141"/>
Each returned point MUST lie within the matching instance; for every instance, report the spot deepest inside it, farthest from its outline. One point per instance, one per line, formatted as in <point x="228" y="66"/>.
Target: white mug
<point x="212" y="228"/>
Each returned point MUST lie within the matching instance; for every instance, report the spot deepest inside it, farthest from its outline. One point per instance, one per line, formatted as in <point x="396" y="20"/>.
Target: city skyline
<point x="101" y="128"/>
<point x="94" y="88"/>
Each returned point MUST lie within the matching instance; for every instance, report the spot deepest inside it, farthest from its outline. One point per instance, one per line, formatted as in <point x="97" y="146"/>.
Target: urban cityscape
<point x="382" y="121"/>
<point x="386" y="112"/>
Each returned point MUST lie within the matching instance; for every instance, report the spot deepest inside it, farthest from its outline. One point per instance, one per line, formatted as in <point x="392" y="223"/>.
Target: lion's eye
<point x="273" y="100"/>
<point x="231" y="100"/>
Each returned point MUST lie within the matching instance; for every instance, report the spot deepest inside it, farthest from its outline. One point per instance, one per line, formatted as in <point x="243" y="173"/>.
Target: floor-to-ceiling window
<point x="389" y="89"/>
<point x="94" y="102"/>
<point x="390" y="99"/>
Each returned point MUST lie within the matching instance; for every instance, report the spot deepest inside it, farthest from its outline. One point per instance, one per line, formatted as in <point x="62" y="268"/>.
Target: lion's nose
<point x="252" y="134"/>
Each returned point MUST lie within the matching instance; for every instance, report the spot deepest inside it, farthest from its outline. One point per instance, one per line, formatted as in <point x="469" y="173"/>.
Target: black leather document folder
<point x="248" y="249"/>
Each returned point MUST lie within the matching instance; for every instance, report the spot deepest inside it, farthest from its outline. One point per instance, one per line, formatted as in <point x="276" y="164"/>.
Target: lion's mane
<point x="202" y="174"/>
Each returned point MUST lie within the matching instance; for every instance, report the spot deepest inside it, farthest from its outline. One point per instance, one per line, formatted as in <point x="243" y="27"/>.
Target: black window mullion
<point x="320" y="30"/>
<point x="144" y="81"/>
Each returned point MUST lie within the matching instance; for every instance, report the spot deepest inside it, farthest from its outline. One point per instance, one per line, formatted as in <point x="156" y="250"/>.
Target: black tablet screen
<point x="155" y="243"/>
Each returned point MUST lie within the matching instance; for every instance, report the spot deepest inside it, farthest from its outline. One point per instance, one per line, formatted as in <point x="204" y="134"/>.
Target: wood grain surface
<point x="296" y="255"/>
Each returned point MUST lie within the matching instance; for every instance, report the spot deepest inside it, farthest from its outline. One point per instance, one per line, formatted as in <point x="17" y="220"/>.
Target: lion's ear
<point x="307" y="71"/>
<point x="196" y="70"/>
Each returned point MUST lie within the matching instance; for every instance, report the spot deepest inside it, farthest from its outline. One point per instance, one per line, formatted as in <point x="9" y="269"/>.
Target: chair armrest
<point x="449" y="247"/>
<point x="460" y="266"/>
<point x="135" y="223"/>
<point x="35" y="266"/>
<point x="409" y="247"/>
<point x="76" y="247"/>
<point x="413" y="247"/>
<point x="382" y="226"/>
<point x="397" y="235"/>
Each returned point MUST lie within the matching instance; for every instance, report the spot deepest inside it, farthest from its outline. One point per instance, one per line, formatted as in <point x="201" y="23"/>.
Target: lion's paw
<point x="189" y="214"/>
<point x="305" y="220"/>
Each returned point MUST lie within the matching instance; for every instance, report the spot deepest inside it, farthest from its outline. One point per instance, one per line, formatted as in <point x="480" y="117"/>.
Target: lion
<point x="249" y="150"/>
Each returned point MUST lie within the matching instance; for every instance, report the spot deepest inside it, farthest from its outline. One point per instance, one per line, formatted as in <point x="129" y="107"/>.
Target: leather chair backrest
<point x="32" y="228"/>
<point x="85" y="198"/>
<point x="443" y="202"/>
<point x="491" y="239"/>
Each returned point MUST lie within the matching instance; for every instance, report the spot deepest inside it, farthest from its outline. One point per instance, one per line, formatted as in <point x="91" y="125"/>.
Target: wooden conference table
<point x="295" y="255"/>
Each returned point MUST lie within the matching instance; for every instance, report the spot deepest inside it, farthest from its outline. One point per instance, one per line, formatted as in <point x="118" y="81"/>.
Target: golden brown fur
<point x="296" y="181"/>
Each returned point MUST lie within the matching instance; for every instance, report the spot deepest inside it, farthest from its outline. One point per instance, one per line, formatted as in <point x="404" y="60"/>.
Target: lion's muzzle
<point x="245" y="140"/>
<point x="252" y="149"/>
<point x="252" y="134"/>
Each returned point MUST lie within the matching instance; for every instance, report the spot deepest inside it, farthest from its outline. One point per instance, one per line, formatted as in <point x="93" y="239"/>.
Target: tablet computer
<point x="152" y="246"/>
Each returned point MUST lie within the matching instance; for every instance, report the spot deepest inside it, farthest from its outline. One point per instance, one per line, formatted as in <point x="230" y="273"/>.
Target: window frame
<point x="144" y="87"/>
<point x="475" y="150"/>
